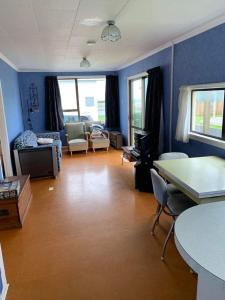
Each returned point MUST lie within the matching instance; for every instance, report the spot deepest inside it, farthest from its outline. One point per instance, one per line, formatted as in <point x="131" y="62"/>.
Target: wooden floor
<point x="89" y="239"/>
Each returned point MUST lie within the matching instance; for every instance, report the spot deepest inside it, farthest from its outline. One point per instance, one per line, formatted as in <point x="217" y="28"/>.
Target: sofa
<point x="37" y="160"/>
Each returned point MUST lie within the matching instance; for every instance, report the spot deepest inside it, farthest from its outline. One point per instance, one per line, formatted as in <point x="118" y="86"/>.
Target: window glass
<point x="71" y="116"/>
<point x="136" y="103"/>
<point x="68" y="94"/>
<point x="89" y="101"/>
<point x="207" y="112"/>
<point x="138" y="90"/>
<point x="92" y="99"/>
<point x="91" y="95"/>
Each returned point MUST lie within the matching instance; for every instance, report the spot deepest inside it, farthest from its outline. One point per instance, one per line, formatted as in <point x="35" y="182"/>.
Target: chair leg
<point x="107" y="149"/>
<point x="71" y="153"/>
<point x="86" y="152"/>
<point x="156" y="220"/>
<point x="166" y="240"/>
<point x="93" y="149"/>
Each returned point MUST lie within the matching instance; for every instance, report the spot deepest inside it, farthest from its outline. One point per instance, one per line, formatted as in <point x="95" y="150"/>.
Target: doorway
<point x="137" y="92"/>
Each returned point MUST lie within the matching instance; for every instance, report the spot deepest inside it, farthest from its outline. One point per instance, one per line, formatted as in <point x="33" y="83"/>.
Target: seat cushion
<point x="178" y="202"/>
<point x="99" y="143"/>
<point x="78" y="142"/>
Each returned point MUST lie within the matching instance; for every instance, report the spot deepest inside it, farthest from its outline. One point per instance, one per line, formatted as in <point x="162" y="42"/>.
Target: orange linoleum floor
<point x="89" y="239"/>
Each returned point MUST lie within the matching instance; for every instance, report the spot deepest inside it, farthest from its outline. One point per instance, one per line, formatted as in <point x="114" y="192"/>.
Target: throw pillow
<point x="44" y="141"/>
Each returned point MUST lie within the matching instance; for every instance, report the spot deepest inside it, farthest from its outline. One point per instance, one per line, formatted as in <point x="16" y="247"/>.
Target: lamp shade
<point x="111" y="32"/>
<point x="85" y="63"/>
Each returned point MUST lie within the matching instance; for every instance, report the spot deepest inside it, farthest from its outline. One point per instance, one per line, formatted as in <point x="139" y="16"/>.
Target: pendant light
<point x="85" y="63"/>
<point x="111" y="32"/>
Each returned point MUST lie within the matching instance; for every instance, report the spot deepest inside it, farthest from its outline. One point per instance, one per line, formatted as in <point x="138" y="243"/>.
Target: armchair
<point x="77" y="138"/>
<point x="99" y="139"/>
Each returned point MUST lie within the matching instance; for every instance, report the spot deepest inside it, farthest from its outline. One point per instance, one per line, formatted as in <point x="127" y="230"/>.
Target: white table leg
<point x="210" y="287"/>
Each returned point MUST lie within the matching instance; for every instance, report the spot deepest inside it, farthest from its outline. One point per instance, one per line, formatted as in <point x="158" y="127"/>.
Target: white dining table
<point x="200" y="178"/>
<point x="200" y="240"/>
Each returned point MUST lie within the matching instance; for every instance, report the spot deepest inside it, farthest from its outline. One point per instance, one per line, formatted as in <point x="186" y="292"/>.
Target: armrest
<point x="51" y="135"/>
<point x="37" y="161"/>
<point x="87" y="135"/>
<point x="106" y="132"/>
<point x="36" y="149"/>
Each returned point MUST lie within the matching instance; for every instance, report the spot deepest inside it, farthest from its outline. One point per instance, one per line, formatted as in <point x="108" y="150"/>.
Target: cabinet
<point x="116" y="139"/>
<point x="13" y="210"/>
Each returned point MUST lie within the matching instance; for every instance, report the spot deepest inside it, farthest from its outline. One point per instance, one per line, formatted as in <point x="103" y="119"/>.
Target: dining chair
<point x="171" y="204"/>
<point x="172" y="155"/>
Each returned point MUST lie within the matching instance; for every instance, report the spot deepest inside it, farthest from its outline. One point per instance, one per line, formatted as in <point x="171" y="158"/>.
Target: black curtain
<point x="153" y="109"/>
<point x="53" y="106"/>
<point x="112" y="102"/>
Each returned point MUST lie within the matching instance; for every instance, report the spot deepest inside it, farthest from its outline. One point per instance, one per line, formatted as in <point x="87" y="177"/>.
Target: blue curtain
<point x="112" y="102"/>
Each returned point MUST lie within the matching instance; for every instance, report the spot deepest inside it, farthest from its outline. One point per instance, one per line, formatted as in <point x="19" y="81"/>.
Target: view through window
<point x="208" y="112"/>
<point x="138" y="88"/>
<point x="83" y="99"/>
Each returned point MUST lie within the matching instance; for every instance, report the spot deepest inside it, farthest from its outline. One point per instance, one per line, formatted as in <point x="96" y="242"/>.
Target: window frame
<point x="222" y="88"/>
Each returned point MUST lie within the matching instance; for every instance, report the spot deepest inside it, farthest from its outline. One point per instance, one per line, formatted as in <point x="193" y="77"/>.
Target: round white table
<point x="200" y="240"/>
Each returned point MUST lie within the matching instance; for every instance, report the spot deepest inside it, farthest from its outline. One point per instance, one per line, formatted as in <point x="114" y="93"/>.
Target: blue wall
<point x="162" y="59"/>
<point x="12" y="103"/>
<point x="198" y="60"/>
<point x="38" y="78"/>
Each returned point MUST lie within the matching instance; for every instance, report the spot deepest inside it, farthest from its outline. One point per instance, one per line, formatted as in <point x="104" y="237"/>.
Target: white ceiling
<point x="49" y="34"/>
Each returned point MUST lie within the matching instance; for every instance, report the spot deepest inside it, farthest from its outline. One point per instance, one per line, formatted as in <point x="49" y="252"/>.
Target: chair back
<point x="173" y="155"/>
<point x="75" y="131"/>
<point x="159" y="188"/>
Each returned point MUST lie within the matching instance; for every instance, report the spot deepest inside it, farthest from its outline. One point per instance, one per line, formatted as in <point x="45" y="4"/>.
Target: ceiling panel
<point x="54" y="22"/>
<point x="100" y="9"/>
<point x="56" y="4"/>
<point x="17" y="18"/>
<point x="51" y="35"/>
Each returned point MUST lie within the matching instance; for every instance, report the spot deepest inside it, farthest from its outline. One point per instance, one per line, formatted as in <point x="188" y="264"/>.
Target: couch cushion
<point x="25" y="140"/>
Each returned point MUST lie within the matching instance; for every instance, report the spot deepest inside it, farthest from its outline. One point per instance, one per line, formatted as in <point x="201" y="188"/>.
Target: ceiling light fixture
<point x="111" y="32"/>
<point x="85" y="63"/>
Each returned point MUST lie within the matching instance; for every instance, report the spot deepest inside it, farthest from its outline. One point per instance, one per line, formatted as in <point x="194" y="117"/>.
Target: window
<point x="207" y="112"/>
<point x="91" y="92"/>
<point x="69" y="99"/>
<point x="83" y="99"/>
<point x="89" y="101"/>
<point x="138" y="89"/>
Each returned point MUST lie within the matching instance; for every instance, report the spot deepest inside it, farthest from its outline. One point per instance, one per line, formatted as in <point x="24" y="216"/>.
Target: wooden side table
<point x="13" y="210"/>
